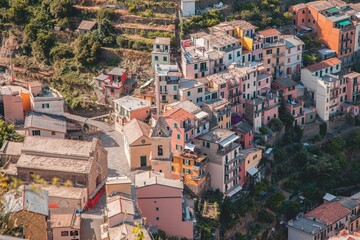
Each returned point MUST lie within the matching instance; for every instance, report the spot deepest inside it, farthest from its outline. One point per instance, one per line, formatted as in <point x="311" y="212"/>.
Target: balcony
<point x="236" y="176"/>
<point x="163" y="92"/>
<point x="201" y="176"/>
<point x="188" y="127"/>
<point x="164" y="101"/>
<point x="200" y="165"/>
<point x="228" y="148"/>
<point x="232" y="169"/>
<point x="277" y="64"/>
<point x="276" y="55"/>
<point x="239" y="156"/>
<point x="205" y="69"/>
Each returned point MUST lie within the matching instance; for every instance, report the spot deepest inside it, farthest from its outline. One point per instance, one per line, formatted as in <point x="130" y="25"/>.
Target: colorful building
<point x="161" y="202"/>
<point x="245" y="133"/>
<point x="160" y="54"/>
<point x="128" y="108"/>
<point x="137" y="143"/>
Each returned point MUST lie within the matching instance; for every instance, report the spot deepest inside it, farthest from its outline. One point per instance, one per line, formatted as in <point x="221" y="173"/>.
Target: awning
<point x="190" y="146"/>
<point x="333" y="10"/>
<point x="344" y="22"/>
<point x="252" y="171"/>
<point x="229" y="140"/>
<point x="305" y="28"/>
<point x="234" y="191"/>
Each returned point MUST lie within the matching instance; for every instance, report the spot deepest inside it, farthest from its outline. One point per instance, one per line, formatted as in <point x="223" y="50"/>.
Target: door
<point x="143" y="161"/>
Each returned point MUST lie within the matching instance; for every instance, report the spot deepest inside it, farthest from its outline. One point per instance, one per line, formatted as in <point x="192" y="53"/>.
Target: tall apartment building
<point x="167" y="78"/>
<point x="337" y="25"/>
<point x="293" y="54"/>
<point x="160" y="54"/>
<point x="205" y="54"/>
<point x="223" y="152"/>
<point x="274" y="51"/>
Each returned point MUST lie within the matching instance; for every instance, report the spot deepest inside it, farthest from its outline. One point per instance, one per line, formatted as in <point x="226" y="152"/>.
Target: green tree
<point x="323" y="129"/>
<point x="87" y="48"/>
<point x="61" y="8"/>
<point x="19" y="11"/>
<point x="42" y="46"/>
<point x="275" y="201"/>
<point x="290" y="209"/>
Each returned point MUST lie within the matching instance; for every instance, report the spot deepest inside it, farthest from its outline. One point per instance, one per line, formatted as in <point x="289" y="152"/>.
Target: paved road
<point x="102" y="125"/>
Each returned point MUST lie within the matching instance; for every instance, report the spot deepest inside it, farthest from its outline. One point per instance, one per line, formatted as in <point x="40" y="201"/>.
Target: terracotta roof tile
<point x="329" y="212"/>
<point x="269" y="32"/>
<point x="323" y="64"/>
<point x="179" y="114"/>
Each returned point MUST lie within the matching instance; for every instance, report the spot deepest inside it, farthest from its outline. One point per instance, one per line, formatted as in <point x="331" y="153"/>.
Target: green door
<point x="143" y="161"/>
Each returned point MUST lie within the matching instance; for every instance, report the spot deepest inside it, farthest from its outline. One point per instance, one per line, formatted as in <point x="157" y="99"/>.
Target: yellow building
<point x="191" y="167"/>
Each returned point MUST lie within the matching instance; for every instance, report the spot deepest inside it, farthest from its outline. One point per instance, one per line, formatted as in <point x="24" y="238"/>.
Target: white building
<point x="188" y="8"/>
<point x="293" y="54"/>
<point x="192" y="90"/>
<point x="45" y="99"/>
<point x="161" y="52"/>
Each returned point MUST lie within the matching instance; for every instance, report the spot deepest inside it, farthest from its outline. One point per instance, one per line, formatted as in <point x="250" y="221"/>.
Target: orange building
<point x="334" y="25"/>
<point x="192" y="168"/>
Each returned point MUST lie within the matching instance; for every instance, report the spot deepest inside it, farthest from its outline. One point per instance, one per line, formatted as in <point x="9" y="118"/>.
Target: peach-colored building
<point x="335" y="25"/>
<point x="14" y="103"/>
<point x="121" y="185"/>
<point x="287" y="88"/>
<point x="137" y="143"/>
<point x="245" y="133"/>
<point x="182" y="124"/>
<point x="219" y="111"/>
<point x="128" y="108"/>
<point x="65" y="224"/>
<point x="162" y="203"/>
<point x="45" y="125"/>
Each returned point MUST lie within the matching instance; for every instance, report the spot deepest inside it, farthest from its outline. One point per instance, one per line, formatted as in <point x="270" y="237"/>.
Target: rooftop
<point x="329" y="212"/>
<point x="269" y="32"/>
<point x="307" y="225"/>
<point x="221" y="40"/>
<point x="12" y="148"/>
<point x="132" y="103"/>
<point x="179" y="114"/>
<point x="285" y="82"/>
<point x="62" y="147"/>
<point x="186" y="105"/>
<point x="45" y="121"/>
<point x="13" y="89"/>
<point x="162" y="40"/>
<point x="25" y="198"/>
<point x="86" y="25"/>
<point x="117" y="71"/>
<point x="323" y="64"/>
<point x="186" y="84"/>
<point x="293" y="41"/>
<point x="161" y="128"/>
<point x="120" y="204"/>
<point x="243" y="127"/>
<point x="64" y="218"/>
<point x="102" y="77"/>
<point x="217" y="135"/>
<point x="244" y="25"/>
<point x="320" y="5"/>
<point x="65" y="192"/>
<point x="153" y="178"/>
<point x="135" y="129"/>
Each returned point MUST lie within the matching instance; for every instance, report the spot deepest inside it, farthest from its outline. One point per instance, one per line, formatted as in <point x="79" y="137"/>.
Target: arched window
<point x="160" y="150"/>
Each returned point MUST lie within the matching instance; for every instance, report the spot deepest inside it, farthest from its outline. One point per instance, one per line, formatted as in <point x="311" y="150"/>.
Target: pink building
<point x="128" y="108"/>
<point x="182" y="124"/>
<point x="287" y="88"/>
<point x="161" y="202"/>
<point x="245" y="133"/>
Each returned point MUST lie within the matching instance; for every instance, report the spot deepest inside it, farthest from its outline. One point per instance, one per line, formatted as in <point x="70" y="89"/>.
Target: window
<point x="196" y="75"/>
<point x="157" y="209"/>
<point x="45" y="105"/>
<point x="157" y="218"/>
<point x="160" y="150"/>
<point x="175" y="88"/>
<point x="207" y="144"/>
<point x="188" y="93"/>
<point x="238" y="53"/>
<point x="200" y="90"/>
<point x="178" y="136"/>
<point x="74" y="233"/>
<point x="156" y="58"/>
<point x="53" y="133"/>
<point x="175" y="125"/>
<point x="230" y="57"/>
<point x="269" y="61"/>
<point x="36" y="132"/>
<point x="64" y="233"/>
<point x="195" y="66"/>
<point x="165" y="59"/>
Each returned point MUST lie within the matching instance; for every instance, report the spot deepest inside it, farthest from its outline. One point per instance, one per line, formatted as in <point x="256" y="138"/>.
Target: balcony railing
<point x="239" y="156"/>
<point x="199" y="177"/>
<point x="232" y="169"/>
<point x="275" y="55"/>
<point x="200" y="165"/>
<point x="228" y="148"/>
<point x="229" y="180"/>
<point x="277" y="64"/>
